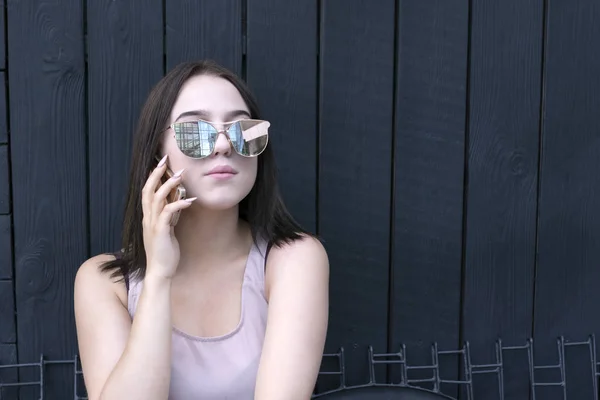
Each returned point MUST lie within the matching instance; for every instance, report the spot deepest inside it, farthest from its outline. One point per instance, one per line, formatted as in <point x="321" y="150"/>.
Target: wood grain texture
<point x="356" y="97"/>
<point x="505" y="77"/>
<point x="2" y="36"/>
<point x="130" y="32"/>
<point x="567" y="295"/>
<point x="48" y="153"/>
<point x="8" y="356"/>
<point x="5" y="247"/>
<point x="282" y="72"/>
<point x="7" y="313"/>
<point x="3" y="110"/>
<point x="4" y="181"/>
<point x="428" y="189"/>
<point x="204" y="30"/>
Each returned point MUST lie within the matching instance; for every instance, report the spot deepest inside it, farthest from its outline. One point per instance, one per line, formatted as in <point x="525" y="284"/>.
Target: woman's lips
<point x="221" y="172"/>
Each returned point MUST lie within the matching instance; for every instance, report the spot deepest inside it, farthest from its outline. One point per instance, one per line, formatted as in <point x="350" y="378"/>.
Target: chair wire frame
<point x="41" y="366"/>
<point x="469" y="371"/>
<point x="436" y="381"/>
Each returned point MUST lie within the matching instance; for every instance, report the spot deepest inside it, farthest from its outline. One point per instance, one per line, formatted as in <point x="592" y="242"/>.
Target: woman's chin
<point x="220" y="203"/>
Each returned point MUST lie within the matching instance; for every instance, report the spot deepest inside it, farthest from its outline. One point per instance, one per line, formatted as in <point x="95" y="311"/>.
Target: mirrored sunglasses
<point x="196" y="139"/>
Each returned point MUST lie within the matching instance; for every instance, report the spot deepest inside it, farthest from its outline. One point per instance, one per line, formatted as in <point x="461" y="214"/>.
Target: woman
<point x="200" y="311"/>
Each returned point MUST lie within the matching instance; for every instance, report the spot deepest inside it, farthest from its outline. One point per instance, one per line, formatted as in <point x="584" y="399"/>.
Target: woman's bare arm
<point x="297" y="289"/>
<point x="121" y="359"/>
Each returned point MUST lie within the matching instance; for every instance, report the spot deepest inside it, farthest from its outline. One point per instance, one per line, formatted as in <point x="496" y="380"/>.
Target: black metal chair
<point x="428" y="386"/>
<point x="403" y="390"/>
<point x="381" y="392"/>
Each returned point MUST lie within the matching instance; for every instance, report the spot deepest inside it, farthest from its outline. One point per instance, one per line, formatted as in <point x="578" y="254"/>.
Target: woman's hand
<point x="162" y="248"/>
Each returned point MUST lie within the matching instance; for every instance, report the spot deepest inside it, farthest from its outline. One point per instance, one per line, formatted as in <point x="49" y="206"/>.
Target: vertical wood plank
<point x="287" y="93"/>
<point x="3" y="110"/>
<point x="356" y="97"/>
<point x="2" y="37"/>
<point x="504" y="98"/>
<point x="5" y="247"/>
<point x="8" y="352"/>
<point x="567" y="295"/>
<point x="7" y="313"/>
<point x="48" y="154"/>
<point x="429" y="162"/>
<point x="4" y="181"/>
<point x="130" y="32"/>
<point x="204" y="30"/>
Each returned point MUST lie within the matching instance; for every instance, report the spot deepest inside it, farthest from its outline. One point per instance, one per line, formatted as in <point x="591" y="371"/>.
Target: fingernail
<point x="178" y="173"/>
<point x="163" y="161"/>
<point x="191" y="199"/>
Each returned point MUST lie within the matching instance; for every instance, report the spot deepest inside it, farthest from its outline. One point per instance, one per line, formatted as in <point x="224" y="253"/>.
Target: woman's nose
<point x="222" y="145"/>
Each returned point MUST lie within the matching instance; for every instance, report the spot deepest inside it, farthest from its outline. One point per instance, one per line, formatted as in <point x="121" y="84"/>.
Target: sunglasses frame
<point x="224" y="131"/>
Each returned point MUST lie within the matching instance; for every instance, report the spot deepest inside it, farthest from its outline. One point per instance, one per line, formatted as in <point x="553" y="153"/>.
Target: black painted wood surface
<point x="355" y="165"/>
<point x="566" y="288"/>
<point x="445" y="151"/>
<point x="116" y="91"/>
<point x="49" y="179"/>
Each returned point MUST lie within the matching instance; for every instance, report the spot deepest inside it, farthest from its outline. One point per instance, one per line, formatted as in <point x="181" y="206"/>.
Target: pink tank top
<point x="222" y="367"/>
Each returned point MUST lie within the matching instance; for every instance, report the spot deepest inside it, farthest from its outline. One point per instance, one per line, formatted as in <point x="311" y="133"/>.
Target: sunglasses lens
<point x="195" y="139"/>
<point x="249" y="137"/>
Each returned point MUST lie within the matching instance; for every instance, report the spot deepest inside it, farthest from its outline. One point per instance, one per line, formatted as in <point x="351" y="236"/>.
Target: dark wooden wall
<point x="8" y="338"/>
<point x="447" y="151"/>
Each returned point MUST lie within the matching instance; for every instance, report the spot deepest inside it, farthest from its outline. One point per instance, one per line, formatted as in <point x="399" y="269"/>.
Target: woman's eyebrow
<point x="236" y="113"/>
<point x="194" y="113"/>
<point x="203" y="114"/>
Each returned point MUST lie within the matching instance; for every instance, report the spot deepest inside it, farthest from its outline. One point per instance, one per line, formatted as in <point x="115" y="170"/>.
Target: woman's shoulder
<point x="304" y="246"/>
<point x="302" y="258"/>
<point x="91" y="277"/>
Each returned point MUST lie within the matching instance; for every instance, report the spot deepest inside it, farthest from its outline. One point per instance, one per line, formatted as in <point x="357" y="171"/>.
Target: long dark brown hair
<point x="262" y="208"/>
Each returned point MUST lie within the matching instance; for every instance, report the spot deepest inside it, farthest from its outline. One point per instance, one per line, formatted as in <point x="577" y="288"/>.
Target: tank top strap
<point x="255" y="267"/>
<point x="133" y="294"/>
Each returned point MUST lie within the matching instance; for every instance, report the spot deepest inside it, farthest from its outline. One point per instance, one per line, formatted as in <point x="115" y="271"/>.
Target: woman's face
<point x="215" y="100"/>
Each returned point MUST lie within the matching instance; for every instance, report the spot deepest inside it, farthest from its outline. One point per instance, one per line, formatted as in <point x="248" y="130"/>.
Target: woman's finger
<point x="150" y="187"/>
<point x="164" y="218"/>
<point x="160" y="196"/>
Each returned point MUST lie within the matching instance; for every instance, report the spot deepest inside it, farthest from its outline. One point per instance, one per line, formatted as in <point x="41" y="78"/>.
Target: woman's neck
<point x="207" y="238"/>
